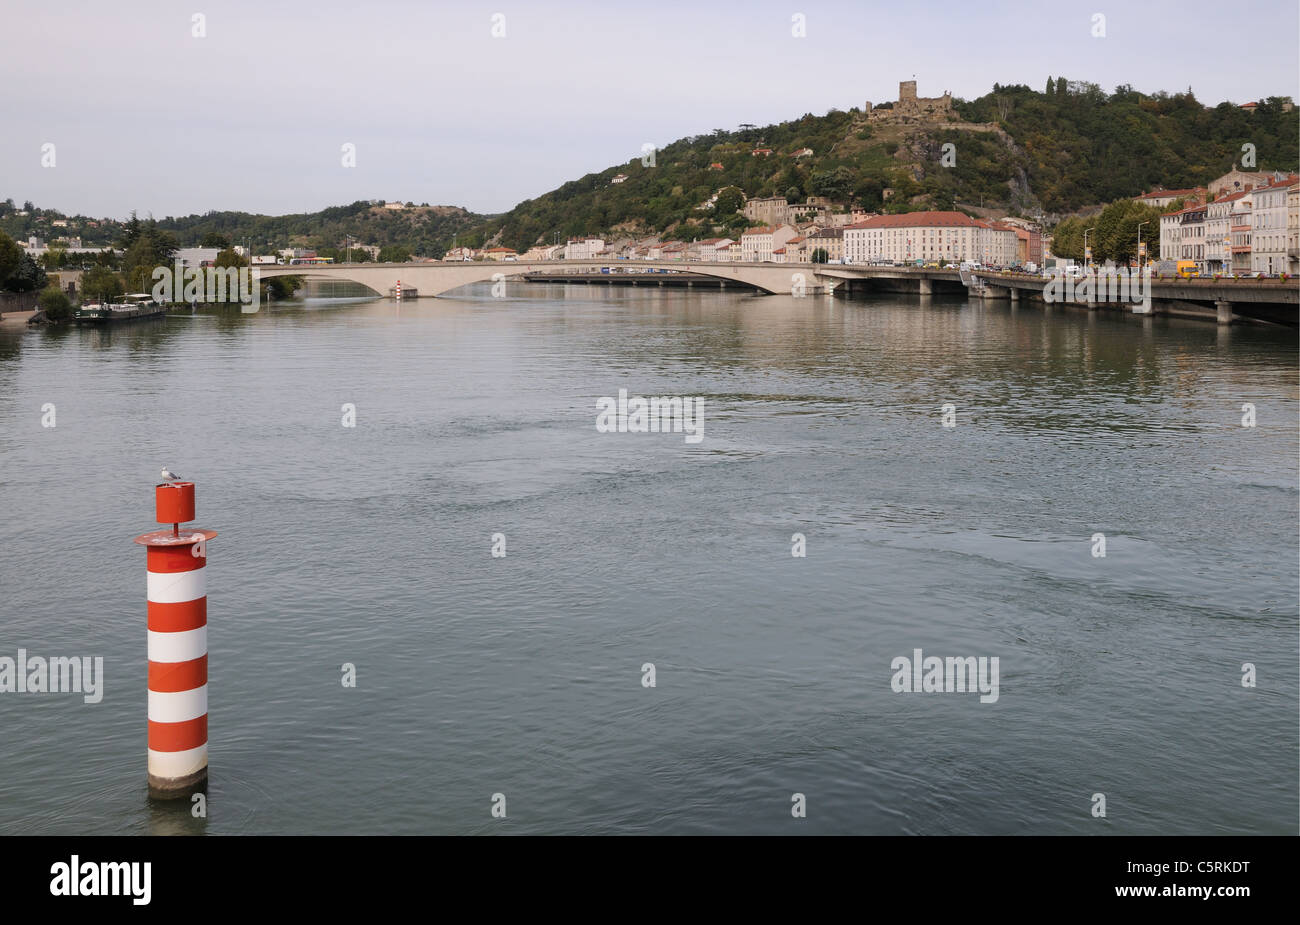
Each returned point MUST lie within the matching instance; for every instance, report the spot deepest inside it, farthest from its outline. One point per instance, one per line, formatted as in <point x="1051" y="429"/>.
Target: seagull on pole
<point x="169" y="476"/>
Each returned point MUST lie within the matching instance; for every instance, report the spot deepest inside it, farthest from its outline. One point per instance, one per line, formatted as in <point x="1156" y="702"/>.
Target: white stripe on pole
<point x="174" y="765"/>
<point x="178" y="647"/>
<point x="178" y="706"/>
<point x="177" y="587"/>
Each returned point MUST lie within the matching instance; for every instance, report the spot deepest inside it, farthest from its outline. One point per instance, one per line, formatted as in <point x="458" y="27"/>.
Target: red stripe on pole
<point x="178" y="737"/>
<point x="177" y="618"/>
<point x="172" y="677"/>
<point x="173" y="558"/>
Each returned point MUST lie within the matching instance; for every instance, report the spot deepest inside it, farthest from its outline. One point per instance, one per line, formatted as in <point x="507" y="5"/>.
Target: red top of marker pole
<point x="174" y="504"/>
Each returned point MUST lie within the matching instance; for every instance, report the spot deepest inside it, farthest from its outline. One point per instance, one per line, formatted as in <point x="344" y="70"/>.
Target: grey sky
<point x="145" y="116"/>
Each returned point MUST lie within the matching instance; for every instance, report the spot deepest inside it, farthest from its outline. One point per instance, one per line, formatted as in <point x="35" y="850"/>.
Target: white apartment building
<point x="1269" y="228"/>
<point x="1171" y="235"/>
<point x="1191" y="237"/>
<point x="929" y="236"/>
<point x="1293" y="228"/>
<point x="1239" y="230"/>
<point x="583" y="248"/>
<point x="757" y="244"/>
<point x="1218" y="233"/>
<point x="710" y="249"/>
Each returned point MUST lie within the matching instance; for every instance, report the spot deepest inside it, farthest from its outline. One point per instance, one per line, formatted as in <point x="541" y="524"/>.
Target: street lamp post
<point x="1140" y="253"/>
<point x="1087" y="254"/>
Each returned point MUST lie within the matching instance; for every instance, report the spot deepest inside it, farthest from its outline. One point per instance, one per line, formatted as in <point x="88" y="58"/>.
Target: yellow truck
<point x="1184" y="268"/>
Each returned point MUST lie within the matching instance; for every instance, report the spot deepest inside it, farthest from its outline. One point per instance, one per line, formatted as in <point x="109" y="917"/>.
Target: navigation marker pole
<point x="178" y="646"/>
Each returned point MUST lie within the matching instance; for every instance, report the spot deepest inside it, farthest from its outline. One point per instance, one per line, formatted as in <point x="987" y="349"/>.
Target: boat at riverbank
<point x="133" y="306"/>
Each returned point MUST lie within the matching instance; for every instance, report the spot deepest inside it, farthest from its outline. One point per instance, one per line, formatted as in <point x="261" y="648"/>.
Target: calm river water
<point x="523" y="675"/>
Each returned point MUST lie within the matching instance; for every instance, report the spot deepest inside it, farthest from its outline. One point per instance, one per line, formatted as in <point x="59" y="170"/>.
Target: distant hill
<point x="424" y="229"/>
<point x="1016" y="150"/>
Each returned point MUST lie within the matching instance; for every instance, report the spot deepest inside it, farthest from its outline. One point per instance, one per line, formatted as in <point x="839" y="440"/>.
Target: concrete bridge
<point x="1276" y="301"/>
<point x="433" y="279"/>
<point x="1226" y="300"/>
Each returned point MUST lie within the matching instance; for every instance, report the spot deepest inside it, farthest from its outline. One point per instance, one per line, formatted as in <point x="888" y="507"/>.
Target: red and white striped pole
<point x="178" y="646"/>
<point x="399" y="290"/>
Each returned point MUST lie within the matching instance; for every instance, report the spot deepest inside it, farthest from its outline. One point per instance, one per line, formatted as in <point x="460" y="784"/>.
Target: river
<point x="526" y="675"/>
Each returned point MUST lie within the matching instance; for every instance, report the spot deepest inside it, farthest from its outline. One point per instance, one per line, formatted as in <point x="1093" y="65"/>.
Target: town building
<point x="707" y="250"/>
<point x="1239" y="230"/>
<point x="1269" y="228"/>
<point x="583" y="248"/>
<point x="1164" y="197"/>
<point x="757" y="244"/>
<point x="1240" y="181"/>
<point x="1191" y="234"/>
<point x="830" y="240"/>
<point x="770" y="210"/>
<point x="1293" y="229"/>
<point x="942" y="237"/>
<point x="1218" y="233"/>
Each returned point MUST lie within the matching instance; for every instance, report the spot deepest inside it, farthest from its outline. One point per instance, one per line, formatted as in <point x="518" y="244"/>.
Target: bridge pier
<point x="1223" y="311"/>
<point x="1015" y="295"/>
<point x="926" y="286"/>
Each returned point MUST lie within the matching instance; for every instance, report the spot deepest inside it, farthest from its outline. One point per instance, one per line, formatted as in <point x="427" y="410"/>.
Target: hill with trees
<point x="1017" y="150"/>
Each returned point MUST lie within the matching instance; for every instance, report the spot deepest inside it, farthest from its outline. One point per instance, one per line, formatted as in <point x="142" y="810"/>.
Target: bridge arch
<point x="434" y="279"/>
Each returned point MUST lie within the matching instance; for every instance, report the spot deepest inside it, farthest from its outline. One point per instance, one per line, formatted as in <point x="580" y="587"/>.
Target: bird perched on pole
<point x="169" y="476"/>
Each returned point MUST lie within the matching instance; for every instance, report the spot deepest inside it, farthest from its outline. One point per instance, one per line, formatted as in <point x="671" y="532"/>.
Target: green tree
<point x="55" y="303"/>
<point x="1067" y="238"/>
<point x="215" y="239"/>
<point x="730" y="201"/>
<point x="282" y="287"/>
<point x="394" y="253"/>
<point x="101" y="283"/>
<point x="820" y="255"/>
<point x="27" y="277"/>
<point x="229" y="258"/>
<point x="11" y="255"/>
<point x="1116" y="235"/>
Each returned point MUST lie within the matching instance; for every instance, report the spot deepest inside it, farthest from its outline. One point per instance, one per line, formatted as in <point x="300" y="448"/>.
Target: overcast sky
<point x="253" y="116"/>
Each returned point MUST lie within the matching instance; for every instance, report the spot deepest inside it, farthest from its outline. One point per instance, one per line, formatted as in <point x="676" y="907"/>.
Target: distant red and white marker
<point x="178" y="645"/>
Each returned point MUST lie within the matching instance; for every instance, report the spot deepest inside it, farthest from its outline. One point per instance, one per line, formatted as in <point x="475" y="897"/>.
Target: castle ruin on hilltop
<point x="913" y="108"/>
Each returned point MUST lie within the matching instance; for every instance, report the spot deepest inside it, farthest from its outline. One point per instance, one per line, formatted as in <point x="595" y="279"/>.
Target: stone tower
<point x="906" y="90"/>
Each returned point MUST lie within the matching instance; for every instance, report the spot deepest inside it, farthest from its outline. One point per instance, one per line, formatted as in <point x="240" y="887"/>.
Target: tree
<point x="1067" y="238"/>
<point x="820" y="255"/>
<point x="101" y="283"/>
<point x="55" y="303"/>
<point x="282" y="287"/>
<point x="730" y="201"/>
<point x="1116" y="235"/>
<point x="215" y="239"/>
<point x="229" y="258"/>
<point x="28" y="277"/>
<point x="11" y="255"/>
<point x="394" y="253"/>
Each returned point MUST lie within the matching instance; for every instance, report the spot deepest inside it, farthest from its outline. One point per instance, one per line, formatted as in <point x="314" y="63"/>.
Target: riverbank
<point x="15" y="319"/>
